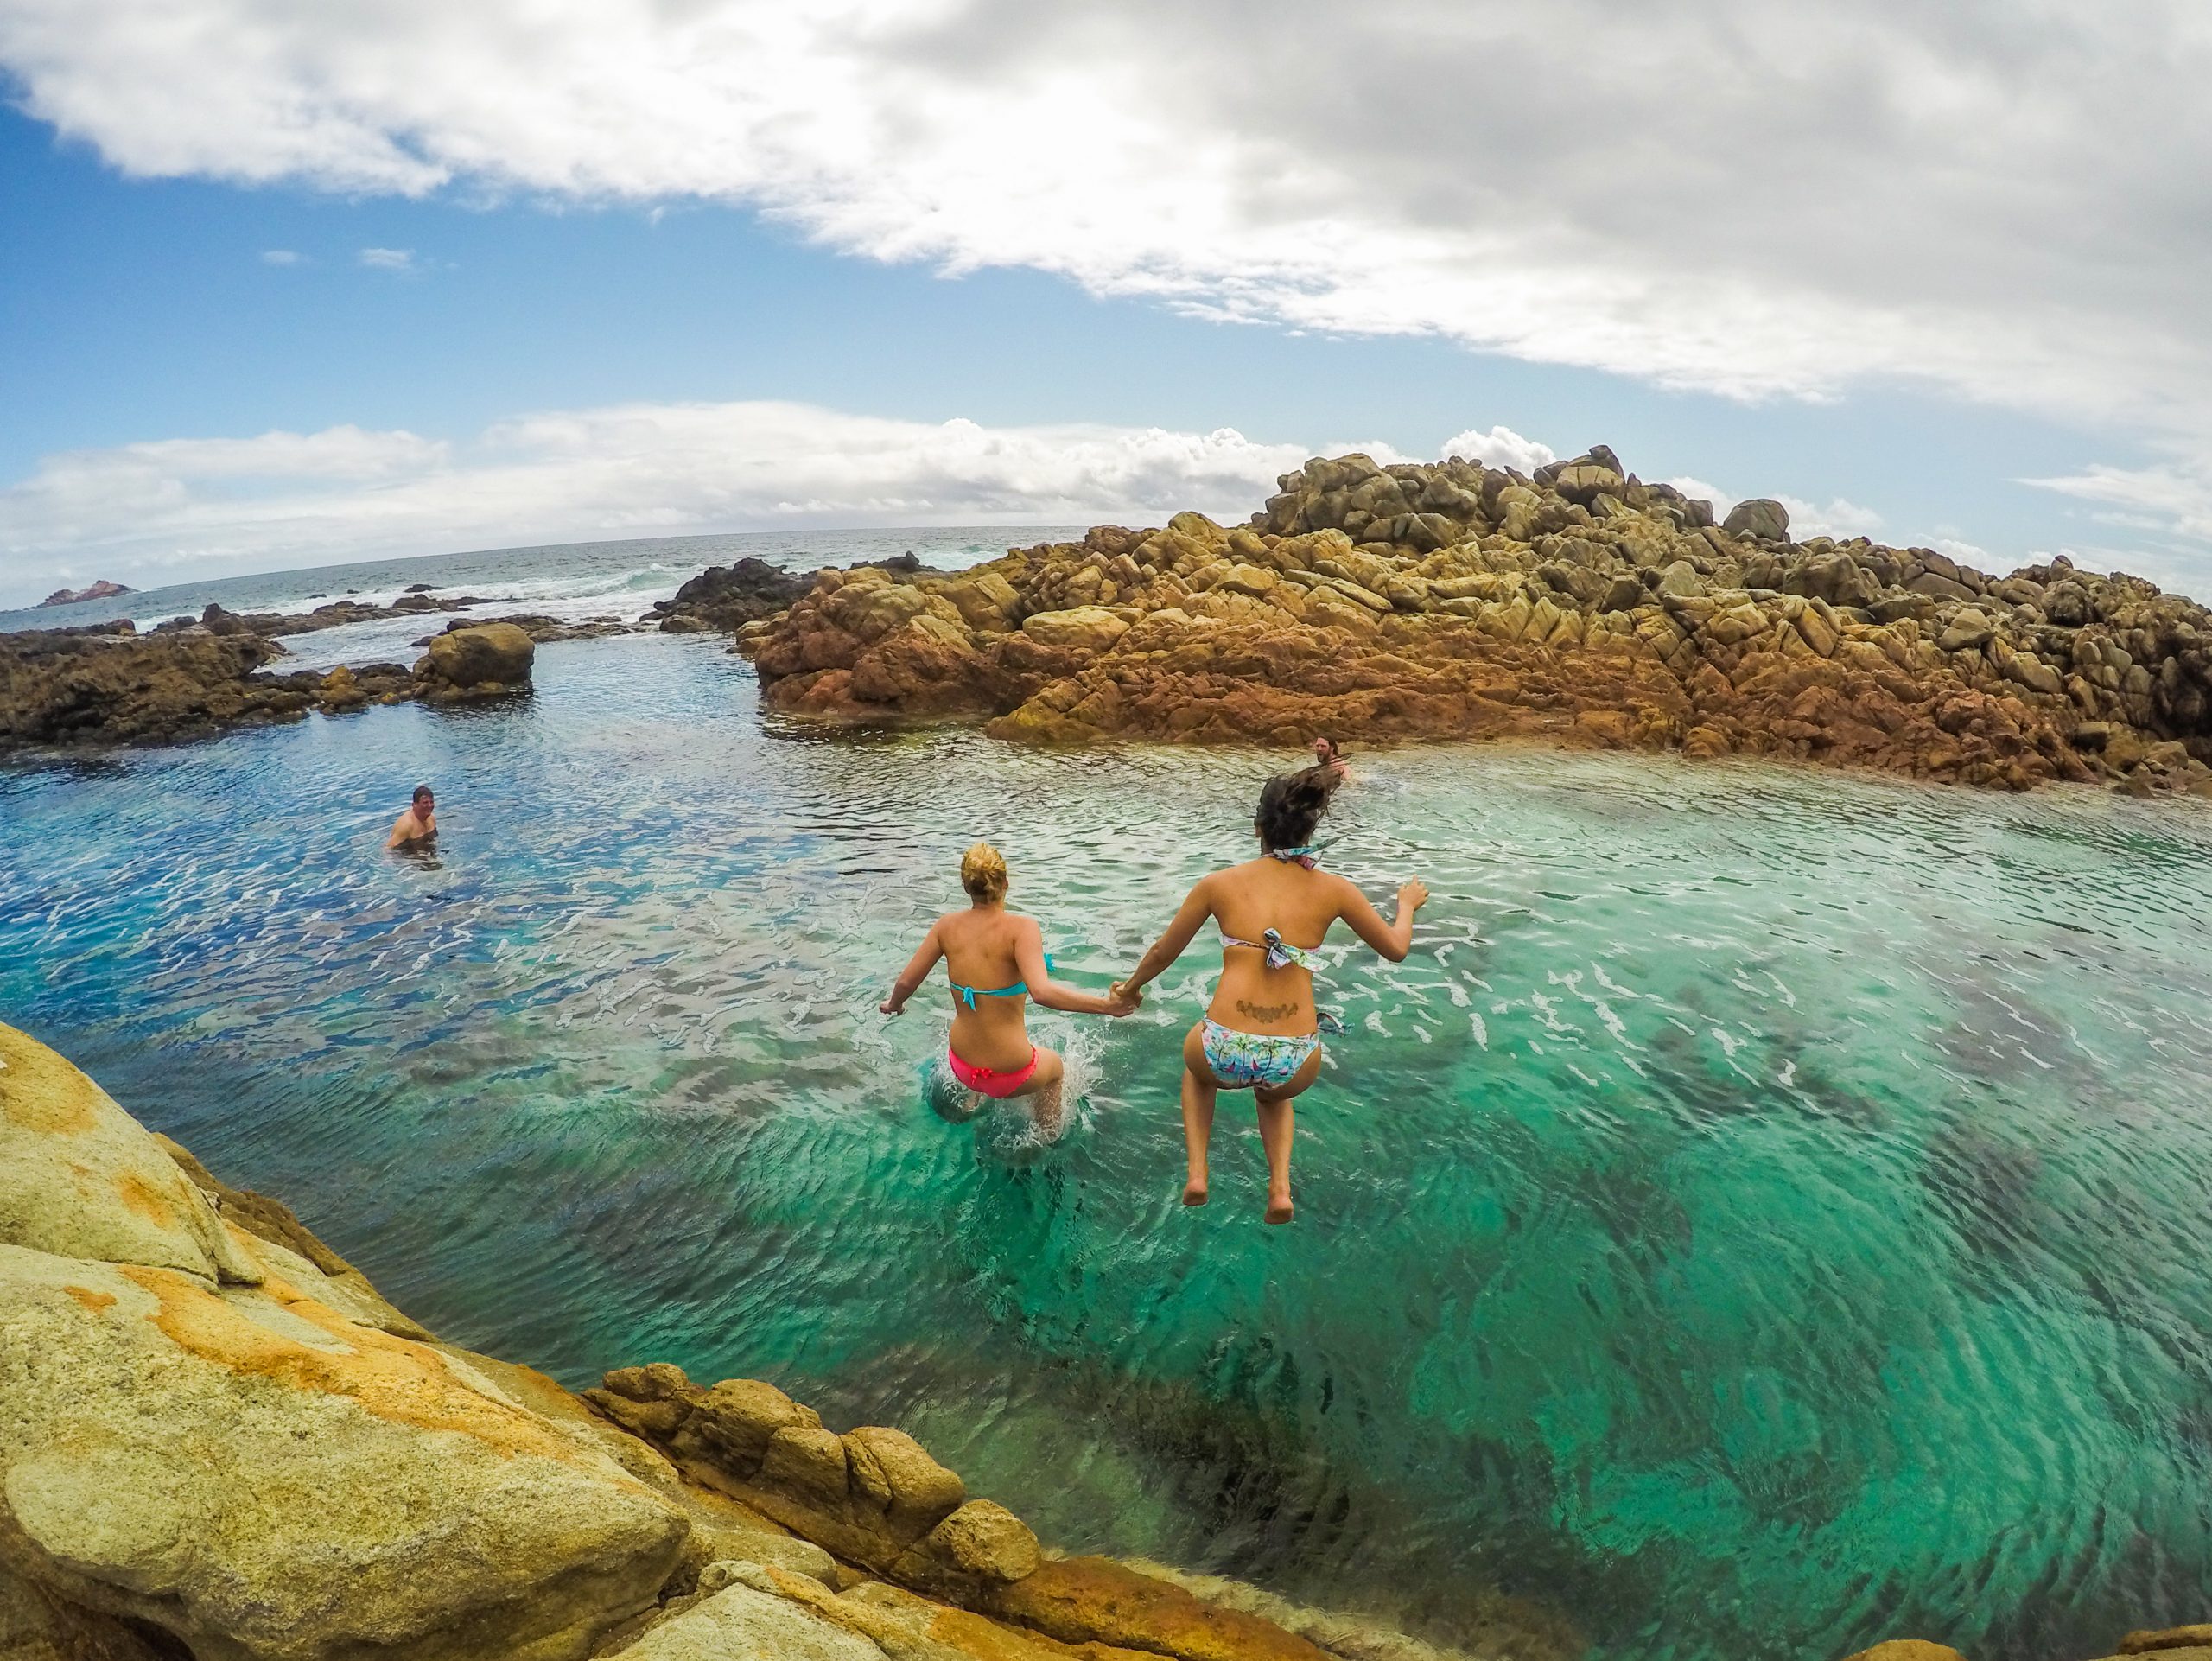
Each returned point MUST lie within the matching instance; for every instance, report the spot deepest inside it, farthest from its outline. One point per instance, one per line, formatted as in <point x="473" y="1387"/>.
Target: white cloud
<point x="2175" y="496"/>
<point x="279" y="257"/>
<point x="389" y="260"/>
<point x="1721" y="500"/>
<point x="1501" y="447"/>
<point x="2000" y="199"/>
<point x="1837" y="518"/>
<point x="154" y="511"/>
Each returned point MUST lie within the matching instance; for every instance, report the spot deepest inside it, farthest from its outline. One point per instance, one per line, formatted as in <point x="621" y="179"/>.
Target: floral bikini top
<point x="1281" y="953"/>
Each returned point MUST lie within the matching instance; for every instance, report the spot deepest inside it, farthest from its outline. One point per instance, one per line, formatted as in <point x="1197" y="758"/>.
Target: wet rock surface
<point x="71" y="689"/>
<point x="337" y="613"/>
<point x="1579" y="606"/>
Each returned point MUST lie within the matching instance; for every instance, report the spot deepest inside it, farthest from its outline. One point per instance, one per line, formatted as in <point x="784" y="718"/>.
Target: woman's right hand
<point x="1413" y="893"/>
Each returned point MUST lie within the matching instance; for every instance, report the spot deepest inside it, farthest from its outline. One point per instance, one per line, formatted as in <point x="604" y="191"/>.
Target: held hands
<point x="1123" y="999"/>
<point x="1413" y="894"/>
<point x="890" y="1006"/>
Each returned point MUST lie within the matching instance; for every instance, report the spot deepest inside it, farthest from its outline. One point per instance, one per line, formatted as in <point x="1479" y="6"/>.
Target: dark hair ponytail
<point x="1291" y="804"/>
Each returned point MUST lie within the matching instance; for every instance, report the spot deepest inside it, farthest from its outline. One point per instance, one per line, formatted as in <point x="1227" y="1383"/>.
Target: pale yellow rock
<point x="979" y="1546"/>
<point x="1091" y="628"/>
<point x="1249" y="579"/>
<point x="81" y="1177"/>
<point x="266" y="1479"/>
<point x="738" y="1623"/>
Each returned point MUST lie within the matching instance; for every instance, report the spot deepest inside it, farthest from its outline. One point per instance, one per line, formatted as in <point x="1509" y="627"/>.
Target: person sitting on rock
<point x="996" y="961"/>
<point x="418" y="825"/>
<point x="1261" y="1032"/>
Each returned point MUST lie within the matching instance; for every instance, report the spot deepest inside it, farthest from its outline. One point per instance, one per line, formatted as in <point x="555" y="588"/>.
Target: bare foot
<point x="1194" y="1191"/>
<point x="1278" y="1209"/>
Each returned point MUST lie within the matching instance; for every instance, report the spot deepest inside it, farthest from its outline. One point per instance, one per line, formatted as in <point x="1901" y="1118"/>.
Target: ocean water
<point x="1771" y="1211"/>
<point x="574" y="580"/>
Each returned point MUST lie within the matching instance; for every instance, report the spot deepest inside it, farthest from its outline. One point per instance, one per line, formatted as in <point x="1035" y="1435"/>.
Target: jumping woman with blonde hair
<point x="995" y="960"/>
<point x="1261" y="1032"/>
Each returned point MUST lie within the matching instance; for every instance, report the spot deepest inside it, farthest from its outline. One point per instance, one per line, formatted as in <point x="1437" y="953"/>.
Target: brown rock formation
<point x="483" y="660"/>
<point x="61" y="689"/>
<point x="1582" y="605"/>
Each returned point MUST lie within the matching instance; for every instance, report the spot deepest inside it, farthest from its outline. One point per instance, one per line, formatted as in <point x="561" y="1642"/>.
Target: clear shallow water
<point x="1767" y="1213"/>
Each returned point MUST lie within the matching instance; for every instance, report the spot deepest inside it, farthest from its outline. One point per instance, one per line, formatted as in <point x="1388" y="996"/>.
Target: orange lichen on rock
<point x="141" y="1197"/>
<point x="93" y="1301"/>
<point x="38" y="1096"/>
<point x="1094" y="1599"/>
<point x="395" y="1378"/>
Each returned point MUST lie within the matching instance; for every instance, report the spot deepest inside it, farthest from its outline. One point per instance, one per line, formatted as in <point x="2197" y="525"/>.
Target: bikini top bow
<point x="1281" y="953"/>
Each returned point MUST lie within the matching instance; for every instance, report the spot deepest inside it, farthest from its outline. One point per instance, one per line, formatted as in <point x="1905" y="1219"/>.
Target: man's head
<point x="1325" y="752"/>
<point x="425" y="803"/>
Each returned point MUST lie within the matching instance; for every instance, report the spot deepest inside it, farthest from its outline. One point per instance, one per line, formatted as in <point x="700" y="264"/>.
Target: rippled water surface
<point x="1767" y="1214"/>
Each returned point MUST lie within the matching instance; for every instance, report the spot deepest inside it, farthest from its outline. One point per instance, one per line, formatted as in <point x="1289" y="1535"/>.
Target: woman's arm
<point x="1197" y="907"/>
<point x="915" y="974"/>
<point x="1029" y="959"/>
<point x="1395" y="939"/>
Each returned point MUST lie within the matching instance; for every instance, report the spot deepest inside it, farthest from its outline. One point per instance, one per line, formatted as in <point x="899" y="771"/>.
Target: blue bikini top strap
<point x="969" y="994"/>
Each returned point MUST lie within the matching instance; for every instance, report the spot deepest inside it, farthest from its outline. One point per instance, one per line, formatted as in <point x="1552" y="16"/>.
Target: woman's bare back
<point x="980" y="952"/>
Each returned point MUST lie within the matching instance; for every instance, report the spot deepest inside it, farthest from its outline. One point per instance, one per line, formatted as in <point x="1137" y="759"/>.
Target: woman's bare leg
<point x="1043" y="1091"/>
<point x="1199" y="1093"/>
<point x="1277" y="1121"/>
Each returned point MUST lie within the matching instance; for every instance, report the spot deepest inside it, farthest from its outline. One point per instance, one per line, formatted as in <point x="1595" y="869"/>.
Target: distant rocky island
<point x="1576" y="606"/>
<point x="102" y="590"/>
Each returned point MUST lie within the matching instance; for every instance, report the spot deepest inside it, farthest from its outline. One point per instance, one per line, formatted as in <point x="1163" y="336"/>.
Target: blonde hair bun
<point x="982" y="872"/>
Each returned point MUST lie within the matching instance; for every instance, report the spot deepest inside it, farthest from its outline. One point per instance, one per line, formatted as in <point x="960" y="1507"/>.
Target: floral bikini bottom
<point x="1246" y="1060"/>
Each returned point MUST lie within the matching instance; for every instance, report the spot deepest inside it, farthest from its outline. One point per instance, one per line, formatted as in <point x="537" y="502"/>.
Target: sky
<point x="286" y="285"/>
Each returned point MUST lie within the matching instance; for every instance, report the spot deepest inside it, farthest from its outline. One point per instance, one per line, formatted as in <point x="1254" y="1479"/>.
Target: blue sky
<point x="169" y="296"/>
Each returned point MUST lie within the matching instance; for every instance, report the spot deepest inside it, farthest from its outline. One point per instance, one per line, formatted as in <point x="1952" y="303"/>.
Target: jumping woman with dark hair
<point x="1261" y="1032"/>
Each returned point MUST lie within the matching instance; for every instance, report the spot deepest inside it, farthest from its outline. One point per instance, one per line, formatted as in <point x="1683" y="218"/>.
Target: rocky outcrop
<point x="337" y="613"/>
<point x="1581" y="606"/>
<point x="483" y="660"/>
<point x="725" y="598"/>
<point x="217" y="1440"/>
<point x="102" y="590"/>
<point x="69" y="689"/>
<point x="543" y="630"/>
<point x="106" y="688"/>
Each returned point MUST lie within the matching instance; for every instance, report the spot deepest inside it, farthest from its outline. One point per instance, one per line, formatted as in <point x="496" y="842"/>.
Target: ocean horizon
<point x="621" y="577"/>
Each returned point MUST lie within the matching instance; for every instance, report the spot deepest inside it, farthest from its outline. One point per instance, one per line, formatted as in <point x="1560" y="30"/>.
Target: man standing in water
<point x="418" y="826"/>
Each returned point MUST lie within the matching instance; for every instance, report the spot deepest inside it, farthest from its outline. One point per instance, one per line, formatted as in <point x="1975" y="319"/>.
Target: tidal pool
<point x="1768" y="1212"/>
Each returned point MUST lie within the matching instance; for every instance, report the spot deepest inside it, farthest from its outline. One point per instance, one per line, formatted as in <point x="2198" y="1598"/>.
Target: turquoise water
<point x="1768" y="1213"/>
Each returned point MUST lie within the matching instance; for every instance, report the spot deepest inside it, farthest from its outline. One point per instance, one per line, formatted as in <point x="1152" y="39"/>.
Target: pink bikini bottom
<point x="988" y="1081"/>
